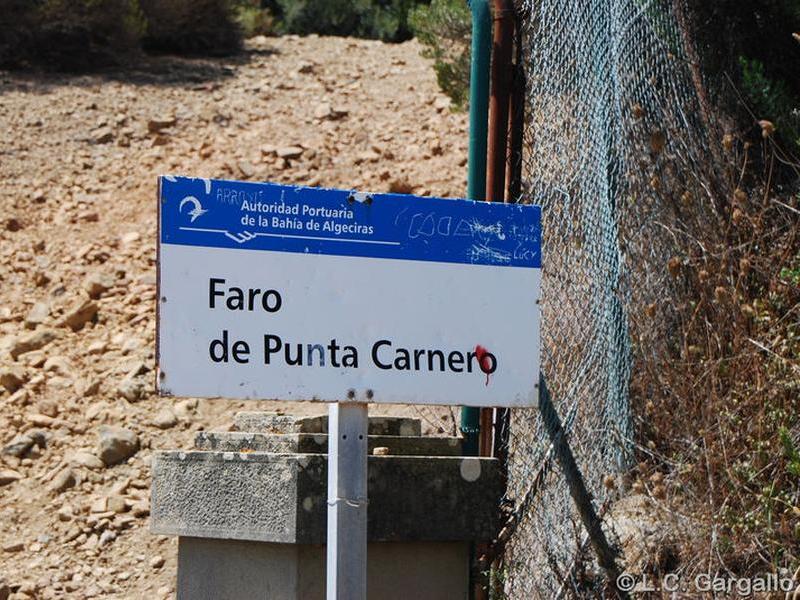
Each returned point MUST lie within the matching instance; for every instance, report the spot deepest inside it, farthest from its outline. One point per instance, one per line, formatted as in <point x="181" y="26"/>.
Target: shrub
<point x="771" y="99"/>
<point x="192" y="26"/>
<point x="69" y="34"/>
<point x="16" y="31"/>
<point x="377" y="19"/>
<point x="753" y="43"/>
<point x="444" y="28"/>
<point x="253" y="19"/>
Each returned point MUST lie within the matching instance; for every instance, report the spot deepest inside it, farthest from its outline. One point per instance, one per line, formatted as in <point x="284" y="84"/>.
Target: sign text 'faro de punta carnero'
<point x="270" y="291"/>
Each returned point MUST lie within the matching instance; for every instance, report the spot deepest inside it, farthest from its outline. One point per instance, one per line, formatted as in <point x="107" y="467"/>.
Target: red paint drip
<point x="484" y="362"/>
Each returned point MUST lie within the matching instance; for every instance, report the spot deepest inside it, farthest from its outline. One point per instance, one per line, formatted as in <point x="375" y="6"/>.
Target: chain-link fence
<point x="612" y="110"/>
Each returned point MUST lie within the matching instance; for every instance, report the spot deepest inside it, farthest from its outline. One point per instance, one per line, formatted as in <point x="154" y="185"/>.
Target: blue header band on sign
<point x="282" y="218"/>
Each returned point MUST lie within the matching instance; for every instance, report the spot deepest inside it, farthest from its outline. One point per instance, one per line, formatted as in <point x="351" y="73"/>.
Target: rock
<point x="290" y="152"/>
<point x="13" y="224"/>
<point x="15" y="546"/>
<point x="58" y="364"/>
<point x="64" y="480"/>
<point x="83" y="311"/>
<point x="91" y="542"/>
<point x="157" y="561"/>
<point x="645" y="534"/>
<point x="116" y="444"/>
<point x="246" y="169"/>
<point x="19" y="397"/>
<point x="89" y="216"/>
<point x="184" y="409"/>
<point x="367" y="156"/>
<point x="131" y="388"/>
<point x="99" y="505"/>
<point x="5" y="591"/>
<point x="400" y="186"/>
<point x="32" y="341"/>
<point x="85" y="459"/>
<point x="8" y="476"/>
<point x="322" y="111"/>
<point x="97" y="283"/>
<point x="20" y="445"/>
<point x="130" y="345"/>
<point x="35" y="359"/>
<point x="40" y="420"/>
<point x="102" y="135"/>
<point x="140" y="509"/>
<point x="306" y="67"/>
<point x="88" y="387"/>
<point x="72" y="533"/>
<point x="38" y="314"/>
<point x="98" y="347"/>
<point x="116" y="504"/>
<point x="130" y="237"/>
<point x="106" y="537"/>
<point x="120" y="487"/>
<point x="325" y="111"/>
<point x="435" y="147"/>
<point x="48" y="407"/>
<point x="165" y="418"/>
<point x="94" y="409"/>
<point x="441" y="103"/>
<point x="12" y="378"/>
<point x="160" y="123"/>
<point x="65" y="513"/>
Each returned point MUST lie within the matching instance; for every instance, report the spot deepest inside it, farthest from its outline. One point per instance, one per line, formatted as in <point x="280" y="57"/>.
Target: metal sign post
<point x="347" y="501"/>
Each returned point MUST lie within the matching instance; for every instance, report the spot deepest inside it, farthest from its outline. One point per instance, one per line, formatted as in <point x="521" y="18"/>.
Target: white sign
<point x="278" y="292"/>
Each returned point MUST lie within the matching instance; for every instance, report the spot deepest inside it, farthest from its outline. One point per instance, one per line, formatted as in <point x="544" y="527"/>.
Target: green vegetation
<point x="191" y="26"/>
<point x="253" y="19"/>
<point x="755" y="44"/>
<point x="443" y="28"/>
<point x="771" y="99"/>
<point x="791" y="274"/>
<point x="377" y="19"/>
<point x="84" y="34"/>
<point x="68" y="34"/>
<point x="79" y="34"/>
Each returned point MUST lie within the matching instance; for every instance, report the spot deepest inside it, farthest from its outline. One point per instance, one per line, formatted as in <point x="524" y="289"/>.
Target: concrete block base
<point x="219" y="569"/>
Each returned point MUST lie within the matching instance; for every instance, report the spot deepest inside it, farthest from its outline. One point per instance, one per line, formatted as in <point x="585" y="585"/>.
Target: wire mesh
<point x="611" y="114"/>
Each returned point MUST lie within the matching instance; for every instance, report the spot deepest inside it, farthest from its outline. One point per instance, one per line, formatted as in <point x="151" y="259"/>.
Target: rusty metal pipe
<point x="502" y="47"/>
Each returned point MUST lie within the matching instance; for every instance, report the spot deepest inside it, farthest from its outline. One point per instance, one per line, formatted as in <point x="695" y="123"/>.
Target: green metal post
<point x="476" y="174"/>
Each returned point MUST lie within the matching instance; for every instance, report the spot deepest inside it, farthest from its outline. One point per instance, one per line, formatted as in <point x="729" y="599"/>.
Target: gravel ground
<point x="79" y="156"/>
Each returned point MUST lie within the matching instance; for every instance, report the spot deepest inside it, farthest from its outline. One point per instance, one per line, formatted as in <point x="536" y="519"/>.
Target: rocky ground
<point x="79" y="156"/>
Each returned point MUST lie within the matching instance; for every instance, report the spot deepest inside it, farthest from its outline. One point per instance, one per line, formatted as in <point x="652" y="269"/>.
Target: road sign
<point x="272" y="291"/>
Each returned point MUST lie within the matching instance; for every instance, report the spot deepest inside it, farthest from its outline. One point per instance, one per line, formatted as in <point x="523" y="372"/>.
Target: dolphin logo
<point x="198" y="209"/>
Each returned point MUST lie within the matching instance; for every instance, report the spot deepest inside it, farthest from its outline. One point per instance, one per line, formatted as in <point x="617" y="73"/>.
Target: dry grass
<point x="717" y="409"/>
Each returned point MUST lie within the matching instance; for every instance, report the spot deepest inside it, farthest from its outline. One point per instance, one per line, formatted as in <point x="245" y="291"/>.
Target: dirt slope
<point x="79" y="158"/>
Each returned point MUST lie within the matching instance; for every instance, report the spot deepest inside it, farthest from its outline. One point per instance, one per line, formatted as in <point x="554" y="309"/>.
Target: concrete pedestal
<point x="214" y="569"/>
<point x="249" y="508"/>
